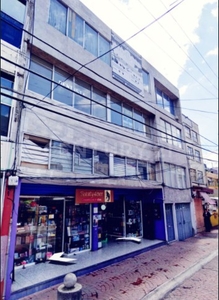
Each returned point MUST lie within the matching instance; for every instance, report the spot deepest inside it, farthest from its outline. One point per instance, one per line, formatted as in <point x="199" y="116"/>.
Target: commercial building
<point x="97" y="133"/>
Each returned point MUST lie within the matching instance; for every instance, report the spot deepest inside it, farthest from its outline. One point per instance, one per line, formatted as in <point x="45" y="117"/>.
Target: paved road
<point x="138" y="277"/>
<point x="203" y="285"/>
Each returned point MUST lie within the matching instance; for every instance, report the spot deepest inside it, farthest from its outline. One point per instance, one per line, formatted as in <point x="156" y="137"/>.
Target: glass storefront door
<point x="133" y="218"/>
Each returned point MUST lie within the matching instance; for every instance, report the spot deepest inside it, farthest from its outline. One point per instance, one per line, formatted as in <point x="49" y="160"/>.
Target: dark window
<point x="11" y="30"/>
<point x="6" y="82"/>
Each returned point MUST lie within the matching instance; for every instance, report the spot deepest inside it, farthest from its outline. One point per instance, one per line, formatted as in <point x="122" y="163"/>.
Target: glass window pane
<point x="75" y="27"/>
<point x="146" y="80"/>
<point x="38" y="84"/>
<point x="142" y="170"/>
<point x="119" y="166"/>
<point x="159" y="98"/>
<point x="166" y="102"/>
<point x="180" y="174"/>
<point x="127" y="117"/>
<point x="167" y="177"/>
<point x="14" y="9"/>
<point x="5" y="116"/>
<point x="169" y="133"/>
<point x="80" y="102"/>
<point x="83" y="160"/>
<point x="91" y="39"/>
<point x="139" y="126"/>
<point x="151" y="172"/>
<point x="163" y="130"/>
<point x="131" y="168"/>
<point x="61" y="156"/>
<point x="11" y="30"/>
<point x="116" y="117"/>
<point x="58" y="15"/>
<point x="99" y="111"/>
<point x="173" y="176"/>
<point x="101" y="163"/>
<point x="7" y="81"/>
<point x="104" y="46"/>
<point x="60" y="93"/>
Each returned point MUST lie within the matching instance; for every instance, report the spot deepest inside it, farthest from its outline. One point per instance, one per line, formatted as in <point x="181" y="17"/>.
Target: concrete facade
<point x="38" y="119"/>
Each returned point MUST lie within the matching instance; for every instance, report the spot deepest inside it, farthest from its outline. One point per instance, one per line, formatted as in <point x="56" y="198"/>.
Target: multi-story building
<point x="97" y="132"/>
<point x="198" y="180"/>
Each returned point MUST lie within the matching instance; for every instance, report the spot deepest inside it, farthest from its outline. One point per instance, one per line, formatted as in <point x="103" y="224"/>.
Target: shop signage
<point x="83" y="196"/>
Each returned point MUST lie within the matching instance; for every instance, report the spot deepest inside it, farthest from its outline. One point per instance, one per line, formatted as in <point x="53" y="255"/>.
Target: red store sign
<point x="93" y="196"/>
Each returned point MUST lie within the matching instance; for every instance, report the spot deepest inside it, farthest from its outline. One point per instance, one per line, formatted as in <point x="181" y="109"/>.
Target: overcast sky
<point x="182" y="45"/>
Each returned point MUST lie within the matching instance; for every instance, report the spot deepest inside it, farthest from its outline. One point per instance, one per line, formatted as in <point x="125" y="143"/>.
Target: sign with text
<point x="84" y="196"/>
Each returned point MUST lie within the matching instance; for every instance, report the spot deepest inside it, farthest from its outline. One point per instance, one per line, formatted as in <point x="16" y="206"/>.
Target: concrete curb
<point x="160" y="292"/>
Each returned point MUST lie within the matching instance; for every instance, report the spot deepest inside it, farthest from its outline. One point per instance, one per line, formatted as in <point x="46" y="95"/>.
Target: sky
<point x="182" y="45"/>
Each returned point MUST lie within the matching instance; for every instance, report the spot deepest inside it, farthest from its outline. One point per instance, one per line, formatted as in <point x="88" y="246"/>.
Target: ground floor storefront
<point x="53" y="219"/>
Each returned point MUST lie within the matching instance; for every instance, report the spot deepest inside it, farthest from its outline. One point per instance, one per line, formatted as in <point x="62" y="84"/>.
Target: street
<point x="202" y="285"/>
<point x="137" y="277"/>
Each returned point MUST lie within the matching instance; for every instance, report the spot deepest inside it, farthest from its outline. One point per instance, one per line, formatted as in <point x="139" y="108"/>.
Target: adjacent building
<point x="95" y="135"/>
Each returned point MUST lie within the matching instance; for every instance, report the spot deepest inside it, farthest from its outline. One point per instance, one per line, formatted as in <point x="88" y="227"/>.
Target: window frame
<point x="7" y="81"/>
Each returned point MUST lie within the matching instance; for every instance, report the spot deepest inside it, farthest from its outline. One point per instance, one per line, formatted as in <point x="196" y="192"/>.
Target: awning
<point x="207" y="198"/>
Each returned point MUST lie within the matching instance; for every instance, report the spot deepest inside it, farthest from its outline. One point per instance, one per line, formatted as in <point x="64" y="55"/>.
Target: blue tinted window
<point x="5" y="116"/>
<point x="11" y="30"/>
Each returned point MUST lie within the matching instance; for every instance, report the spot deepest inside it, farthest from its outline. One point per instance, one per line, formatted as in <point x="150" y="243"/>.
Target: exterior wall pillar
<point x="11" y="250"/>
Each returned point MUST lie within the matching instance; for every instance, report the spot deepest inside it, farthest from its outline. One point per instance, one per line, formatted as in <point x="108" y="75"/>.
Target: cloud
<point x="212" y="52"/>
<point x="215" y="12"/>
<point x="183" y="90"/>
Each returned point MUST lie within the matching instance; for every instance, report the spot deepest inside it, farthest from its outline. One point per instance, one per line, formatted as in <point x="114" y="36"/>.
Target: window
<point x="58" y="15"/>
<point x="38" y="84"/>
<point x="78" y="30"/>
<point x="197" y="156"/>
<point x="101" y="163"/>
<point x="82" y="98"/>
<point x="170" y="134"/>
<point x="134" y="169"/>
<point x="194" y="136"/>
<point x="7" y="81"/>
<point x="131" y="167"/>
<point x="116" y="116"/>
<point x="12" y="19"/>
<point x="83" y="160"/>
<point x="190" y="152"/>
<point x="91" y="39"/>
<point x="127" y="117"/>
<point x="35" y="152"/>
<point x="124" y="115"/>
<point x="62" y="91"/>
<point x="164" y="101"/>
<point x="200" y="178"/>
<point x="104" y="47"/>
<point x="174" y="176"/>
<point x="119" y="166"/>
<point x="139" y="122"/>
<point x="146" y="81"/>
<point x="192" y="175"/>
<point x="142" y="170"/>
<point x="188" y="132"/>
<point x="61" y="156"/>
<point x="75" y="27"/>
<point x="98" y="110"/>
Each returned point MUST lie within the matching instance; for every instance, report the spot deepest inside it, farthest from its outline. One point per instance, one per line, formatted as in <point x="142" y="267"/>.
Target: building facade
<point x="97" y="134"/>
<point x="198" y="180"/>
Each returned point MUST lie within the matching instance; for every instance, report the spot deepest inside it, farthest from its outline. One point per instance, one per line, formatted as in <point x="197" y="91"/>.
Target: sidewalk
<point x="149" y="275"/>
